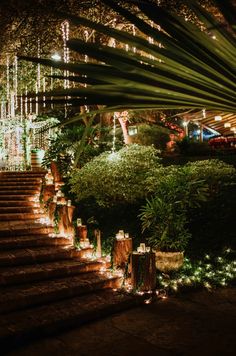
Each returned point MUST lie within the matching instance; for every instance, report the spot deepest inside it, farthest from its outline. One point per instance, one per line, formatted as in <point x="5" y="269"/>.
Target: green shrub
<point x="191" y="148"/>
<point x="118" y="177"/>
<point x="152" y="135"/>
<point x="165" y="214"/>
<point x="214" y="172"/>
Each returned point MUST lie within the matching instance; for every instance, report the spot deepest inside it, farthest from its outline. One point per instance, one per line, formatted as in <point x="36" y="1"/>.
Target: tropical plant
<point x="116" y="177"/>
<point x="214" y="172"/>
<point x="152" y="135"/>
<point x="165" y="214"/>
<point x="171" y="63"/>
<point x="194" y="148"/>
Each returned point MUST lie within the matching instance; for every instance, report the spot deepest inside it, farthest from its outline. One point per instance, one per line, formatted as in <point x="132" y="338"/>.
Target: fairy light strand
<point x="15" y="81"/>
<point x="114" y="134"/>
<point x="65" y="28"/>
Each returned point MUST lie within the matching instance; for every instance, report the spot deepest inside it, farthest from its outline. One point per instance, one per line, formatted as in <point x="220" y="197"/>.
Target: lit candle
<point x="79" y="222"/>
<point x="69" y="203"/>
<point x="50" y="181"/>
<point x="143" y="247"/>
<point x="121" y="232"/>
<point x="119" y="236"/>
<point x="55" y="199"/>
<point x="126" y="235"/>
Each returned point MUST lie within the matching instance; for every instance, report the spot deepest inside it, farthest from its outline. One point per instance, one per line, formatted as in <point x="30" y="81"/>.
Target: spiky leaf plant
<point x="182" y="67"/>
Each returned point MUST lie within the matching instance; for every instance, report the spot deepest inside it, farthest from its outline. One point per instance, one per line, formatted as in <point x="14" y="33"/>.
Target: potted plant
<point x="165" y="216"/>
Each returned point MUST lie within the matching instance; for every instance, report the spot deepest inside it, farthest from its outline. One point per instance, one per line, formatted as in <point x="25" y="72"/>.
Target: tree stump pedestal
<point x="121" y="250"/>
<point x="143" y="271"/>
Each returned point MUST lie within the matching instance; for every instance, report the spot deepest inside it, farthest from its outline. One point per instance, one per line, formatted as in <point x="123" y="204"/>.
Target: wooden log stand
<point x="82" y="233"/>
<point x="97" y="234"/>
<point x="51" y="211"/>
<point x="121" y="251"/>
<point x="143" y="271"/>
<point x="48" y="193"/>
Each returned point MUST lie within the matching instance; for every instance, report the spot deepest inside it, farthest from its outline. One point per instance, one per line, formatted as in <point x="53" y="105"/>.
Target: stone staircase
<point x="46" y="284"/>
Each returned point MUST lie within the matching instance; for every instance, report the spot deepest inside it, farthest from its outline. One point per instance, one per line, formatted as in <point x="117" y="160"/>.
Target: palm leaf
<point x="190" y="70"/>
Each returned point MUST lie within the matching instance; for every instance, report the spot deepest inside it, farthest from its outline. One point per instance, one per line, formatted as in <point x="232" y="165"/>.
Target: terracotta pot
<point x="169" y="261"/>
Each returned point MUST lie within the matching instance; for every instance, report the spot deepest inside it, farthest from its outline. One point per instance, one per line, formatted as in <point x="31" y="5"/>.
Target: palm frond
<point x="184" y="68"/>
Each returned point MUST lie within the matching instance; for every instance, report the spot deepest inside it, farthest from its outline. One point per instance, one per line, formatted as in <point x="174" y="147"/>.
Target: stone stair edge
<point x="61" y="288"/>
<point x="15" y="275"/>
<point x="81" y="310"/>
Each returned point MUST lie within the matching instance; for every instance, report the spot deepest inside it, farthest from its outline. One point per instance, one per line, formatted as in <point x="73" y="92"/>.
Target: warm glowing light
<point x="56" y="57"/>
<point x="218" y="118"/>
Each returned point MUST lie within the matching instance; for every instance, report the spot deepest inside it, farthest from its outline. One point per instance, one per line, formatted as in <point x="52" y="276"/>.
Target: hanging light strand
<point x="15" y="81"/>
<point x="8" y="85"/>
<point x="65" y="28"/>
<point x="38" y="82"/>
<point x="134" y="34"/>
<point x="114" y="134"/>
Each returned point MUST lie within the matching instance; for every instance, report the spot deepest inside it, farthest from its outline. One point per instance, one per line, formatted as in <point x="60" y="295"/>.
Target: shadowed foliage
<point x="171" y="63"/>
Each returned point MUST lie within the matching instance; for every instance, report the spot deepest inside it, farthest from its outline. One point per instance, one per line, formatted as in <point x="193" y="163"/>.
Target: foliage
<point x="191" y="148"/>
<point x="152" y="135"/>
<point x="209" y="272"/>
<point x="116" y="177"/>
<point x="165" y="214"/>
<point x="178" y="189"/>
<point x="64" y="147"/>
<point x="214" y="172"/>
<point x="183" y="67"/>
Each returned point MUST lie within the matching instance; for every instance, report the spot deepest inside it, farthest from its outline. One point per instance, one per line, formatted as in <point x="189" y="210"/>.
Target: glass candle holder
<point x="79" y="222"/>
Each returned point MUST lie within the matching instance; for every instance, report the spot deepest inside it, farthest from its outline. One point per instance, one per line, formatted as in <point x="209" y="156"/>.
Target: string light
<point x="216" y="271"/>
<point x="114" y="134"/>
<point x="15" y="80"/>
<point x="8" y="79"/>
<point x="134" y="34"/>
<point x="66" y="54"/>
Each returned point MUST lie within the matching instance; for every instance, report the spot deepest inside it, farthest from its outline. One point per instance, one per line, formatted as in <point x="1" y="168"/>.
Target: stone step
<point x="18" y="203"/>
<point x="38" y="173"/>
<point x="22" y="197"/>
<point x="20" y="209"/>
<point x="21" y="216"/>
<point x="13" y="188"/>
<point x="22" y="228"/>
<point x="20" y="191"/>
<point x="19" y="327"/>
<point x="22" y="178"/>
<point x="44" y="271"/>
<point x="21" y="182"/>
<point x="38" y="293"/>
<point x="31" y="241"/>
<point x="34" y="255"/>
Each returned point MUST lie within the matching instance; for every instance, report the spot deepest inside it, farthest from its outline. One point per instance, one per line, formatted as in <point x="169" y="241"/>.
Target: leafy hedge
<point x="116" y="177"/>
